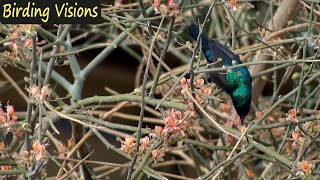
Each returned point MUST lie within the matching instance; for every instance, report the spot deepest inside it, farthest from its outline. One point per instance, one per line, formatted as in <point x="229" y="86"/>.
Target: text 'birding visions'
<point x="50" y="12"/>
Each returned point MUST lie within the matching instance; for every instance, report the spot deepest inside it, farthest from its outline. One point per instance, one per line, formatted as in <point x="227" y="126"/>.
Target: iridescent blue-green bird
<point x="236" y="82"/>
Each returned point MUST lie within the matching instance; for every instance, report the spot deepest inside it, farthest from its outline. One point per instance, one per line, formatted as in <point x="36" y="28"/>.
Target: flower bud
<point x="10" y="110"/>
<point x="295" y="76"/>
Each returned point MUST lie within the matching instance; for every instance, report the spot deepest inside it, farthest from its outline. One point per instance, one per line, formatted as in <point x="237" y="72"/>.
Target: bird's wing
<point x="226" y="51"/>
<point x="219" y="51"/>
<point x="228" y="56"/>
<point x="212" y="51"/>
<point x="221" y="82"/>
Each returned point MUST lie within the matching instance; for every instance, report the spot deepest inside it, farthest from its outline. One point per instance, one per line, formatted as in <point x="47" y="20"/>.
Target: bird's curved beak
<point x="242" y="120"/>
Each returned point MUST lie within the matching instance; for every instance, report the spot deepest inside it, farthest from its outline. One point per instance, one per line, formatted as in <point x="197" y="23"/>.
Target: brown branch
<point x="74" y="150"/>
<point x="286" y="11"/>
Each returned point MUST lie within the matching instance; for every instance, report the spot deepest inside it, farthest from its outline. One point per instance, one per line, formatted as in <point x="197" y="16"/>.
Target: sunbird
<point x="236" y="81"/>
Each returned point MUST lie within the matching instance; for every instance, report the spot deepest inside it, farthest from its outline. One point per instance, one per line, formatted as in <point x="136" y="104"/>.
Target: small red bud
<point x="158" y="129"/>
<point x="10" y="110"/>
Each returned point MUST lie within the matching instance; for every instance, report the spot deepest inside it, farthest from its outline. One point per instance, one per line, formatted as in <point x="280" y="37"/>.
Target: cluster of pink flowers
<point x="299" y="138"/>
<point x="128" y="145"/>
<point x="202" y="91"/>
<point x="177" y="127"/>
<point x="40" y="95"/>
<point x="20" y="33"/>
<point x="39" y="150"/>
<point x="305" y="168"/>
<point x="37" y="153"/>
<point x="8" y="117"/>
<point x="170" y="6"/>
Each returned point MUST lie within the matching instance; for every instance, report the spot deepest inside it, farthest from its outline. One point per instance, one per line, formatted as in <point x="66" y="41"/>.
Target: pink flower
<point x="33" y="89"/>
<point x="295" y="136"/>
<point x="305" y="166"/>
<point x="144" y="143"/>
<point x="175" y="8"/>
<point x="158" y="154"/>
<point x="170" y="122"/>
<point x="158" y="130"/>
<point x="233" y="4"/>
<point x="157" y="3"/>
<point x="14" y="118"/>
<point x="45" y="91"/>
<point x="170" y="2"/>
<point x="128" y="145"/>
<point x="42" y="95"/>
<point x="292" y="116"/>
<point x="3" y="119"/>
<point x="10" y="110"/>
<point x="207" y="91"/>
<point x="224" y="107"/>
<point x="183" y="81"/>
<point x="199" y="82"/>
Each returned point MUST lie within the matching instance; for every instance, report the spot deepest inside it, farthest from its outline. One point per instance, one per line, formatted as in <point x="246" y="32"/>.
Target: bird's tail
<point x="194" y="32"/>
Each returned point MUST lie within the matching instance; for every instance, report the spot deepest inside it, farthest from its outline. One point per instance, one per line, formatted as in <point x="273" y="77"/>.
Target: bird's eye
<point x="209" y="80"/>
